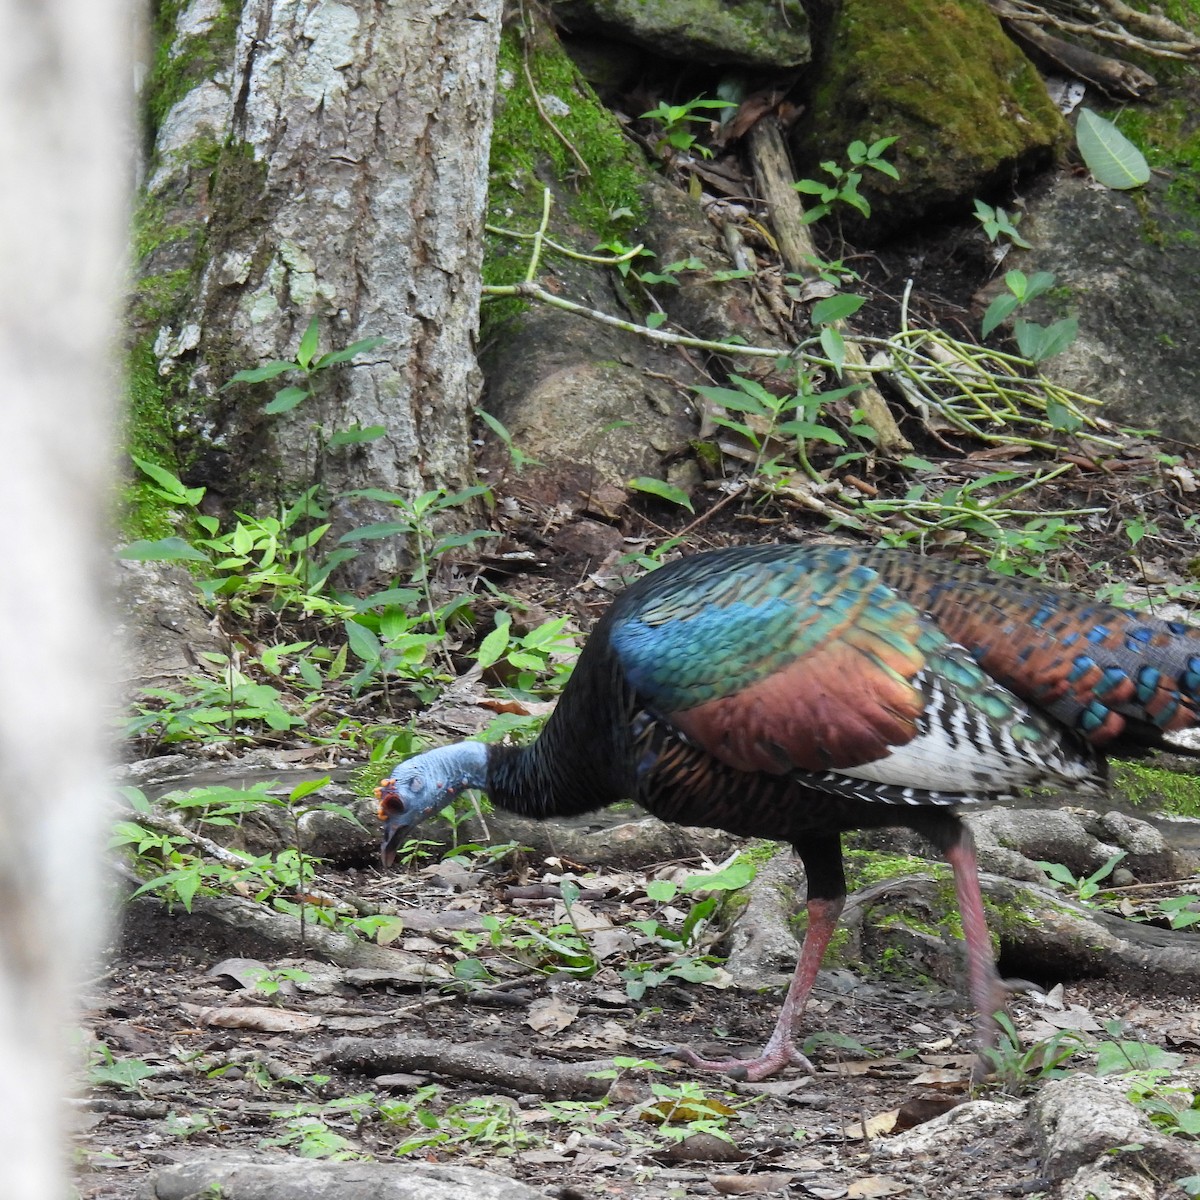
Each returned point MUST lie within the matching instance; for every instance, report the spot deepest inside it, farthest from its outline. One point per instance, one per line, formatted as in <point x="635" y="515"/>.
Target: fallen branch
<point x="554" y="1080"/>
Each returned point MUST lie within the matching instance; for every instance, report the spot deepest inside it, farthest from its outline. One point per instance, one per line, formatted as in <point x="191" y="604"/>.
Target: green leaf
<point x="384" y="529"/>
<point x="1061" y="417"/>
<point x="285" y="400"/>
<point x="308" y="343"/>
<point x="834" y="346"/>
<point x="169" y="483"/>
<point x="655" y="319"/>
<point x="494" y="645"/>
<point x="307" y="788"/>
<point x="998" y="312"/>
<point x="661" y="890"/>
<point x="363" y="642"/>
<point x="1110" y="156"/>
<point x="663" y="490"/>
<point x="836" y="308"/>
<point x="739" y="873"/>
<point x="334" y="357"/>
<point x="355" y="435"/>
<point x="732" y="399"/>
<point x="168" y="549"/>
<point x="269" y="370"/>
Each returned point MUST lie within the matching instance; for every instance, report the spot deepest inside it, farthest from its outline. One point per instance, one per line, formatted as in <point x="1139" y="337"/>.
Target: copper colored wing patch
<point x="841" y="705"/>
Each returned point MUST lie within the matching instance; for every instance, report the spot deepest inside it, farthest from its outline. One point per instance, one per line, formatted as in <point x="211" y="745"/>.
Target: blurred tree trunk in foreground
<point x="64" y="138"/>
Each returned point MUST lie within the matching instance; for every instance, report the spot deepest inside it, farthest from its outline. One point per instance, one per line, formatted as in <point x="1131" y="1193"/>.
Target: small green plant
<point x="776" y="426"/>
<point x="1036" y="342"/>
<point x="998" y="224"/>
<point x="537" y="661"/>
<point x="1084" y="888"/>
<point x="268" y="982"/>
<point x="842" y="187"/>
<point x="105" y="1070"/>
<point x="310" y="367"/>
<point x="677" y="119"/>
<point x="1018" y="1067"/>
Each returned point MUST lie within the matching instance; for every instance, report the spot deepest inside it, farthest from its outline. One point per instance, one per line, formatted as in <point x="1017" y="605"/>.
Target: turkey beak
<point x="396" y="822"/>
<point x="395" y="834"/>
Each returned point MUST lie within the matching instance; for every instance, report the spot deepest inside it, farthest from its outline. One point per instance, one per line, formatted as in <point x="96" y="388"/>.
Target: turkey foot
<point x="781" y="1050"/>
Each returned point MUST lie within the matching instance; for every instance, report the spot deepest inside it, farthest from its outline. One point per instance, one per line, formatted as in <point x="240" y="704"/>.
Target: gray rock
<point x="962" y="130"/>
<point x="1127" y="268"/>
<point x="762" y="34"/>
<point x="1081" y="1120"/>
<point x="1039" y="836"/>
<point x="761" y="942"/>
<point x="263" y="1178"/>
<point x="161" y="623"/>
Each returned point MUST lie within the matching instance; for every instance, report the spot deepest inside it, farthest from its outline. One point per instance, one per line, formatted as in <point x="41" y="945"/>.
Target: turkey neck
<point x="580" y="760"/>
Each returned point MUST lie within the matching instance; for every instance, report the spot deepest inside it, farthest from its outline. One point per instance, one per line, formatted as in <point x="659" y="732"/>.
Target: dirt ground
<point x="268" y="1083"/>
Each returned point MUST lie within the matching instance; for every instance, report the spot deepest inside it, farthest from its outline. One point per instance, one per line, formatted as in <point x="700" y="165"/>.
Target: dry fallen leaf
<point x="550" y="1015"/>
<point x="751" y="1185"/>
<point x="875" y="1185"/>
<point x="877" y="1126"/>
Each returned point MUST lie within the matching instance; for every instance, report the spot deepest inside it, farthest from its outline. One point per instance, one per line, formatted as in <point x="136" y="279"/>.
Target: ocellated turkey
<point x="797" y="693"/>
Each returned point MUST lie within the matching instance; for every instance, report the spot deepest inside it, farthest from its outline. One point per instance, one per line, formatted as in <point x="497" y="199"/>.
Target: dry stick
<point x="774" y="174"/>
<point x="1109" y="74"/>
<point x="554" y="1080"/>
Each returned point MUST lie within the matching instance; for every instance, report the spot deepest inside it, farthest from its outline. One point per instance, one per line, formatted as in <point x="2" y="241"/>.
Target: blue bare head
<point x="424" y="784"/>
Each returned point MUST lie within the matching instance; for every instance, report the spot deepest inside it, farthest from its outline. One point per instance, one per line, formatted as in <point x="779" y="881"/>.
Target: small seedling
<point x="1083" y="887"/>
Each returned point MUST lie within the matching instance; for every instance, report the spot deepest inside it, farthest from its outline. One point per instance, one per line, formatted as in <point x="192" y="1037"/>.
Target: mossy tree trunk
<point x="324" y="160"/>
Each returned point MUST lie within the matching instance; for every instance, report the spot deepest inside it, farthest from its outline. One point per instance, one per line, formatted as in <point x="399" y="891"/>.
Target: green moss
<point x="866" y="867"/>
<point x="181" y="64"/>
<point x="527" y="156"/>
<point x="943" y="78"/>
<point x="1169" y="136"/>
<point x="1157" y="788"/>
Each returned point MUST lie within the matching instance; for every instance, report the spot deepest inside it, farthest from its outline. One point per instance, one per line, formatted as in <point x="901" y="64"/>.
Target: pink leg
<point x="987" y="992"/>
<point x="780" y="1050"/>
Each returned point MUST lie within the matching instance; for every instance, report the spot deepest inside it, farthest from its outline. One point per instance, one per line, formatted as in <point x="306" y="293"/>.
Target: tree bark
<point x="341" y="150"/>
<point x="65" y="147"/>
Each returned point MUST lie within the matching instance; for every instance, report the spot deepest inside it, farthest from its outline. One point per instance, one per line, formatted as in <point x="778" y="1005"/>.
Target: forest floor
<point x="223" y="1068"/>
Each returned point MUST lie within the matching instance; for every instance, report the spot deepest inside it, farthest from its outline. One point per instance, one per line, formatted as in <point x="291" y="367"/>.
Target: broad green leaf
<point x="170" y="484"/>
<point x="810" y="429"/>
<point x="285" y="400"/>
<point x="836" y="308"/>
<point x="168" y="549"/>
<point x="307" y="788"/>
<point x="1110" y="156"/>
<point x="347" y="353"/>
<point x="732" y="399"/>
<point x="496" y="642"/>
<point x="663" y="490"/>
<point x="998" y="312"/>
<point x="308" y="343"/>
<point x="452" y="541"/>
<point x="739" y="873"/>
<point x="661" y="890"/>
<point x="355" y="435"/>
<point x="384" y="529"/>
<point x="1061" y="417"/>
<point x="834" y="346"/>
<point x="269" y="370"/>
<point x="364" y="644"/>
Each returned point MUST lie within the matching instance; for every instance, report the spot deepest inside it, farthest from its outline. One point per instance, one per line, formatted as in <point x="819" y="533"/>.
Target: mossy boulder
<point x="763" y="34"/>
<point x="969" y="111"/>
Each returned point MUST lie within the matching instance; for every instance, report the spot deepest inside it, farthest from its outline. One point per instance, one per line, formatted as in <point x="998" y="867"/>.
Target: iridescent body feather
<point x="797" y="693"/>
